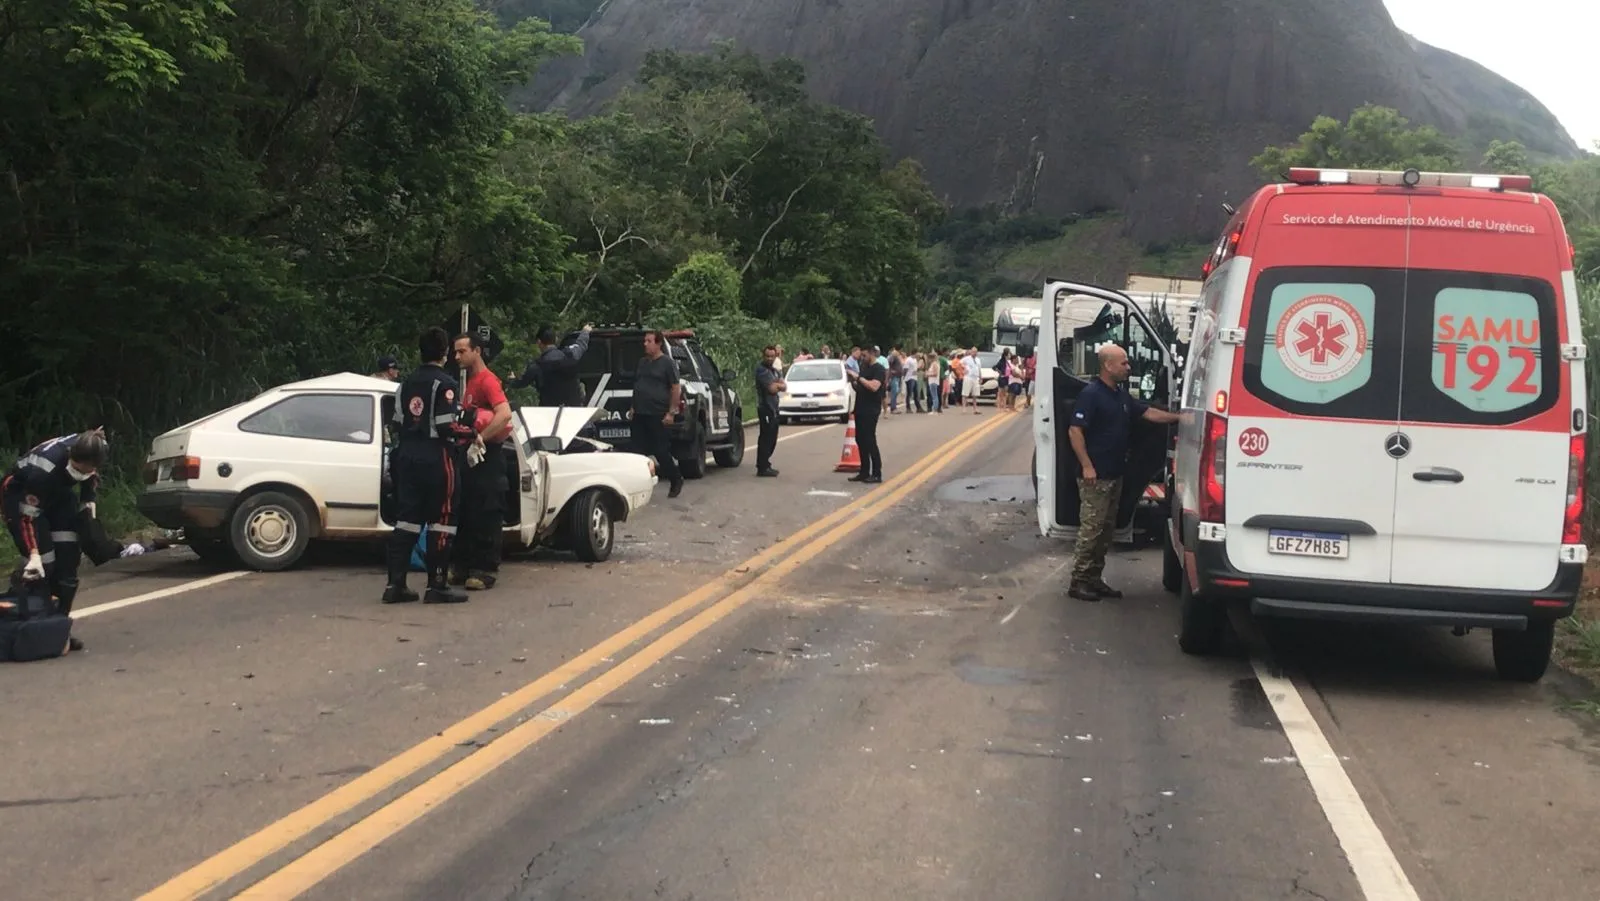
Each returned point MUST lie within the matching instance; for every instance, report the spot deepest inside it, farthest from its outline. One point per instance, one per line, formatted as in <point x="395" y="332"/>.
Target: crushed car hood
<point x="562" y="422"/>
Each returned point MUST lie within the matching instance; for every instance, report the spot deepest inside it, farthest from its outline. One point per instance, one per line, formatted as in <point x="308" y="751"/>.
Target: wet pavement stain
<point x="988" y="490"/>
<point x="1251" y="708"/>
<point x="974" y="673"/>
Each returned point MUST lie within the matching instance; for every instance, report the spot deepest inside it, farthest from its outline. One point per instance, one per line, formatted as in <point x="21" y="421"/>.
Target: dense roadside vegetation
<point x="199" y="199"/>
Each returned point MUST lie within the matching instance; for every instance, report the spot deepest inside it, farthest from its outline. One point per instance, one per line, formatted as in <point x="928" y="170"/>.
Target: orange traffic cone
<point x="850" y="457"/>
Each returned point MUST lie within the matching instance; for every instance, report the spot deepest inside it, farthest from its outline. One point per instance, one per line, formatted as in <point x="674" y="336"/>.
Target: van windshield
<point x="1395" y="344"/>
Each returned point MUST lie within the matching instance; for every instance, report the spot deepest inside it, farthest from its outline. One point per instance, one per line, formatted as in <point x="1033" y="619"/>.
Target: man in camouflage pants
<point x="1101" y="424"/>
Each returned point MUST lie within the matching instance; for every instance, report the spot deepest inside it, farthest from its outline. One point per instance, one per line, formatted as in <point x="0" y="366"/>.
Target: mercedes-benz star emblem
<point x="1397" y="445"/>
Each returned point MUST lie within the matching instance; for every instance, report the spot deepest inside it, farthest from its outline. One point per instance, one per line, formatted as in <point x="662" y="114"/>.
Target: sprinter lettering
<point x="1483" y="361"/>
<point x="1483" y="328"/>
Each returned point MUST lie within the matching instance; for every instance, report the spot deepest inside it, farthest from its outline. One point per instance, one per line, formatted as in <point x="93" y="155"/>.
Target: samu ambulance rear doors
<point x="1312" y="412"/>
<point x="1481" y="494"/>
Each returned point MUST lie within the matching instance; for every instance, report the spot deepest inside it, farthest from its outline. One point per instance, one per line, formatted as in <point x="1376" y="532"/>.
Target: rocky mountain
<point x="1153" y="107"/>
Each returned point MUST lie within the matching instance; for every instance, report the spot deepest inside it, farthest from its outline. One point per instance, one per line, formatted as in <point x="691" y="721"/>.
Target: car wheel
<point x="1171" y="565"/>
<point x="1523" y="656"/>
<point x="694" y="464"/>
<point x="269" y="531"/>
<point x="732" y="455"/>
<point x="589" y="526"/>
<point x="1201" y="622"/>
<point x="844" y="419"/>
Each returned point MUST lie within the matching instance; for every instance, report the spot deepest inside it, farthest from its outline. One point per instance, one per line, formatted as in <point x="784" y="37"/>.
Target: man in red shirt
<point x="486" y="484"/>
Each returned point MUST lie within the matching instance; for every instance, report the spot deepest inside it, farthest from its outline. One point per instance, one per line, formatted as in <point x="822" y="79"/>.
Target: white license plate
<point x="615" y="434"/>
<point x="164" y="471"/>
<point x="1308" y="544"/>
<point x="810" y="404"/>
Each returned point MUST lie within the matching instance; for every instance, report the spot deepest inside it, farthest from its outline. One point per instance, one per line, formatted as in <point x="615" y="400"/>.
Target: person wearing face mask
<point x="44" y="497"/>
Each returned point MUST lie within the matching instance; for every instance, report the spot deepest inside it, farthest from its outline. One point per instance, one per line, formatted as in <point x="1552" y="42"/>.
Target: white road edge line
<point x="1008" y="616"/>
<point x="1377" y="870"/>
<point x="207" y="582"/>
<point x="818" y="428"/>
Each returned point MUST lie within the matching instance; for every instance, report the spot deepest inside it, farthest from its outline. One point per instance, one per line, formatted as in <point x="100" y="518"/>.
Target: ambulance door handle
<point x="1438" y="474"/>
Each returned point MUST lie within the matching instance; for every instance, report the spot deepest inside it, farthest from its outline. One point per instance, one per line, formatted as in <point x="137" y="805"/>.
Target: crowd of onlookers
<point x="931" y="381"/>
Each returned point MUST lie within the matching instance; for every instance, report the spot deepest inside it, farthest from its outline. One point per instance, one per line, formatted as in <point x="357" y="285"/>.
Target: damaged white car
<point x="256" y="483"/>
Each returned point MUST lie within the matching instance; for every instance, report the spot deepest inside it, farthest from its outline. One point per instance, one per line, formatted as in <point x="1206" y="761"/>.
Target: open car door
<point x="1076" y="320"/>
<point x="553" y="424"/>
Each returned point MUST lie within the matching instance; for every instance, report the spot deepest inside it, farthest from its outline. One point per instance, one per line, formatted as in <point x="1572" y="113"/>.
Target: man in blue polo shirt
<point x="1102" y="421"/>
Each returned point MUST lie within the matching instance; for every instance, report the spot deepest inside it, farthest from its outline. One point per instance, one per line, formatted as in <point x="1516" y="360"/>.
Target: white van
<point x="1385" y="413"/>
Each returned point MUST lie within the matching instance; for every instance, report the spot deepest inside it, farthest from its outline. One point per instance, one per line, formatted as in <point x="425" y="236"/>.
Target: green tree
<point x="704" y="287"/>
<point x="1374" y="137"/>
<point x="1506" y="158"/>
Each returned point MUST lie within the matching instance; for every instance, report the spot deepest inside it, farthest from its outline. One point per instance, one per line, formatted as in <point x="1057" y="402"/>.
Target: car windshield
<point x="815" y="372"/>
<point x="988" y="359"/>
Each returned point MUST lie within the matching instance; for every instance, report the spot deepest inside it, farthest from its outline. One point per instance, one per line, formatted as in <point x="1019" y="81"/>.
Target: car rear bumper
<point x="187" y="508"/>
<point x="1385" y="603"/>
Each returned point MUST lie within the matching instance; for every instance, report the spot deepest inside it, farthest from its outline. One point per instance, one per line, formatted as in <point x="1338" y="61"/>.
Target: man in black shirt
<point x="656" y="392"/>
<point x="554" y="373"/>
<point x="1102" y="421"/>
<point x="769" y="384"/>
<point x="869" y="383"/>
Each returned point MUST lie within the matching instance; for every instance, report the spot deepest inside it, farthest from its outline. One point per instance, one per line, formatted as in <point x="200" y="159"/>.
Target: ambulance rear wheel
<point x="1523" y="656"/>
<point x="1201" y="622"/>
<point x="269" y="531"/>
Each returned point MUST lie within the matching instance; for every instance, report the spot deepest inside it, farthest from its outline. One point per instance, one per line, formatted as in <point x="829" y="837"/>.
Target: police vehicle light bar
<point x="1410" y="178"/>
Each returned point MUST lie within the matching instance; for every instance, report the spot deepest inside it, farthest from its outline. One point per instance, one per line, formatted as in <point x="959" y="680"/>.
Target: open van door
<point x="1075" y="321"/>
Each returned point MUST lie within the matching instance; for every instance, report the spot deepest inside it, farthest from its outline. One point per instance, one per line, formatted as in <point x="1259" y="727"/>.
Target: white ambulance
<point x="1385" y="413"/>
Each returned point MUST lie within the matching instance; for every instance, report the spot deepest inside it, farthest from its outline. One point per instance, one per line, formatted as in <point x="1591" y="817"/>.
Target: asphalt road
<point x="777" y="689"/>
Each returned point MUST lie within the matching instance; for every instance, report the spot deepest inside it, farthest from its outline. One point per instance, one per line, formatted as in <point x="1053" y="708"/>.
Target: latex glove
<point x="133" y="550"/>
<point x="34" y="571"/>
<point x="475" y="454"/>
<point x="90" y="508"/>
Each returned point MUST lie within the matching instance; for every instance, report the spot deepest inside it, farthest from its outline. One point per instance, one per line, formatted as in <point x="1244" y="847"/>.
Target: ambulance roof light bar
<point x="1410" y="178"/>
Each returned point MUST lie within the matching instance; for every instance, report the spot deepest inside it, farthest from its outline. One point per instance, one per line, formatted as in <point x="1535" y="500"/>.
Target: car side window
<point x="345" y="418"/>
<point x="680" y="355"/>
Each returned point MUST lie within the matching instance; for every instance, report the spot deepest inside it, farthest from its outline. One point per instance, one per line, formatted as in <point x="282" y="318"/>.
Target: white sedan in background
<point x="817" y="389"/>
<point x="257" y="482"/>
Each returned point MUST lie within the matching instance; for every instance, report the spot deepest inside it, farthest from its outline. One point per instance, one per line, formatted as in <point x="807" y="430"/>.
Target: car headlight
<point x="651" y="462"/>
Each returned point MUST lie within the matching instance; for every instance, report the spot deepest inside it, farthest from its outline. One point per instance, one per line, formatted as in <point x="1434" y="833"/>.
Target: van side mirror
<point x="549" y="444"/>
<point x="729" y="375"/>
<point x="1028" y="336"/>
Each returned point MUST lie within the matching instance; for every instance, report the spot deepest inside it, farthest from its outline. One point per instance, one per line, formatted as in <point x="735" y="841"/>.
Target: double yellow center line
<point x="730" y="591"/>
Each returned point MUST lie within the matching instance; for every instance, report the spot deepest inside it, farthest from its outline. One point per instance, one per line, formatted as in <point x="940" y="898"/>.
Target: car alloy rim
<point x="270" y="531"/>
<point x="599" y="527"/>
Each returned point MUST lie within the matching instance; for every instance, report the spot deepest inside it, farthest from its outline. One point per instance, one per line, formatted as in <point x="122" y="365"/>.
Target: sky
<point x="1544" y="56"/>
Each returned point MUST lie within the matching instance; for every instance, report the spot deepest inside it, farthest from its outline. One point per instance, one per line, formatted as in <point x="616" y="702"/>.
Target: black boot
<point x="399" y="560"/>
<point x="440" y="591"/>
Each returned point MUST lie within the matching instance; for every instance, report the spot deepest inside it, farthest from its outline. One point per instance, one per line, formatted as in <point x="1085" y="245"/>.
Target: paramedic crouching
<point x="1102" y="422"/>
<point x="43" y="511"/>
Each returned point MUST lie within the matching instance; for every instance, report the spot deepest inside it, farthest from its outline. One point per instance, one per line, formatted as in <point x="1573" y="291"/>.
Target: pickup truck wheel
<point x="733" y="454"/>
<point x="1171" y="565"/>
<point x="693" y="463"/>
<point x="269" y="531"/>
<point x="1524" y="656"/>
<point x="590" y="526"/>
<point x="1201" y="622"/>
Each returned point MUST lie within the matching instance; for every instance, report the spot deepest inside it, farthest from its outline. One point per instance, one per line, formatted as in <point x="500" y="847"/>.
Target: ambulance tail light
<point x="1410" y="178"/>
<point x="1213" y="468"/>
<point x="1572" y="528"/>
